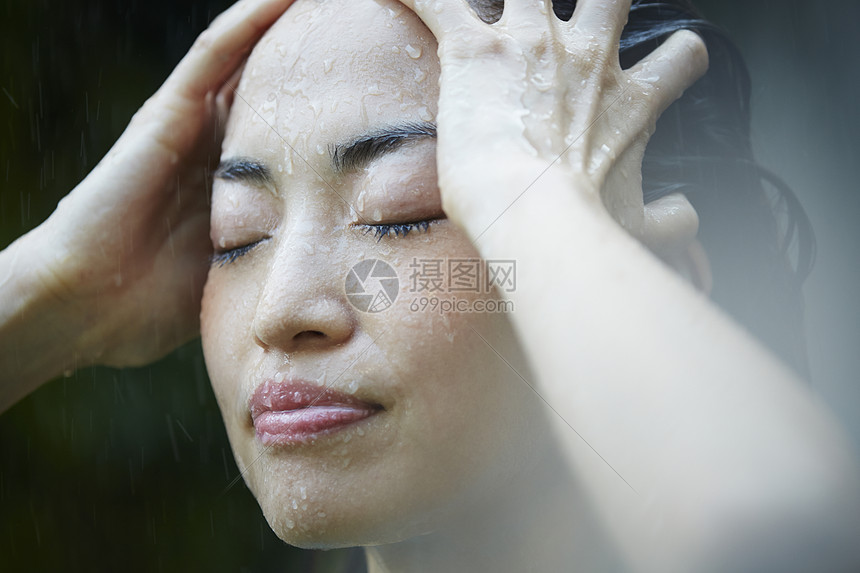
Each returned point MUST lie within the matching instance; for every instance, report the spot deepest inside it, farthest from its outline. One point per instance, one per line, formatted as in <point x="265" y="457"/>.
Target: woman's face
<point x="427" y="415"/>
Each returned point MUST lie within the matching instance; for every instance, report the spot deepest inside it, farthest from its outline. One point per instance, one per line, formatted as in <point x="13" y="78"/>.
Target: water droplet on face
<point x="419" y="75"/>
<point x="605" y="148"/>
<point x="282" y="49"/>
<point x="377" y="215"/>
<point x="303" y="492"/>
<point x="327" y="65"/>
<point x="425" y="114"/>
<point x="541" y="83"/>
<point x="320" y="150"/>
<point x="268" y="109"/>
<point x="222" y="243"/>
<point x="414" y="52"/>
<point x="290" y="523"/>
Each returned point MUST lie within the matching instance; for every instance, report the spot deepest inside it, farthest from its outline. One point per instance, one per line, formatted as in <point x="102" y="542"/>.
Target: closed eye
<point x="397" y="229"/>
<point x="222" y="258"/>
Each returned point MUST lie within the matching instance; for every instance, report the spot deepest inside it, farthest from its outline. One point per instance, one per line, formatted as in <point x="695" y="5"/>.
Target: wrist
<point x="533" y="199"/>
<point x="43" y="329"/>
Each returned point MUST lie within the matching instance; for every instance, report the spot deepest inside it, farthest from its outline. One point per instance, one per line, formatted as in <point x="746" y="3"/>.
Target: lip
<point x="294" y="411"/>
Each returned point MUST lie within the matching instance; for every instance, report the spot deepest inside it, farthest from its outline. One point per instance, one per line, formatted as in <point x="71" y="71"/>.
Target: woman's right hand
<point x="125" y="254"/>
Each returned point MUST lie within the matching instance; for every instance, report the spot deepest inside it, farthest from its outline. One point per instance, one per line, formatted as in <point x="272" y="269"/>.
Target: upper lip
<point x="295" y="394"/>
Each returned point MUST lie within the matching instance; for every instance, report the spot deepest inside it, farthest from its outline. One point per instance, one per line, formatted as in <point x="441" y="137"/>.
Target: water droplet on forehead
<point x="413" y="51"/>
<point x="425" y="114"/>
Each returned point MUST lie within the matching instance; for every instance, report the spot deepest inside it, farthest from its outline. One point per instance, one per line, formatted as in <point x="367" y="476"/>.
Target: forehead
<point x="329" y="69"/>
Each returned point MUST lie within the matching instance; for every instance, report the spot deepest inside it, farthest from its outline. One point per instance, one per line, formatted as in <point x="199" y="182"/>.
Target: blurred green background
<point x="110" y="470"/>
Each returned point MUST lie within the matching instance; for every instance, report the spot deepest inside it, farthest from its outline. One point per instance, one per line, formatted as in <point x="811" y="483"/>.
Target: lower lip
<point x="298" y="426"/>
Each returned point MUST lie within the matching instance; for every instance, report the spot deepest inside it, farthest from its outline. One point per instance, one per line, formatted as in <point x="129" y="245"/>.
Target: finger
<point x="526" y="12"/>
<point x="224" y="101"/>
<point x="220" y="49"/>
<point x="444" y="17"/>
<point x="228" y="91"/>
<point x="603" y="19"/>
<point x="671" y="223"/>
<point x="672" y="68"/>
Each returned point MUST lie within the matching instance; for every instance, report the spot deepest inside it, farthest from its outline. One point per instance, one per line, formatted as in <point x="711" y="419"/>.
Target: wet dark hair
<point x="755" y="232"/>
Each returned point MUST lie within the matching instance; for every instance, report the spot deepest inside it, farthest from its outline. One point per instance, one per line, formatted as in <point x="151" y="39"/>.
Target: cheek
<point x="461" y="390"/>
<point x="226" y="320"/>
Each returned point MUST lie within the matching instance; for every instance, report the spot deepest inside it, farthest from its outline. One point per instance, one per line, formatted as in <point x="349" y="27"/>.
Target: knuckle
<point x="494" y="45"/>
<point x="204" y="41"/>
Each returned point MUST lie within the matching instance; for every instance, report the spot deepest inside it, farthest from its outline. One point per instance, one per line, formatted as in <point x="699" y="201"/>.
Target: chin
<point x="314" y="509"/>
<point x="337" y="529"/>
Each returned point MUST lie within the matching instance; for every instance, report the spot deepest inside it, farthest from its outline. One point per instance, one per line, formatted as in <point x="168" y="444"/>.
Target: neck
<point x="540" y="523"/>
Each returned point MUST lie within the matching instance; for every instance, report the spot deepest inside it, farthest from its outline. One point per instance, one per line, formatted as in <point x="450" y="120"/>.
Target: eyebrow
<point x="345" y="157"/>
<point x="244" y="169"/>
<point x="366" y="148"/>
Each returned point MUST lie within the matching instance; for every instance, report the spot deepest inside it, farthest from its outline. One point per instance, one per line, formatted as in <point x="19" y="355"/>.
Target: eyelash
<point x="226" y="257"/>
<point x="397" y="229"/>
<point x="386" y="230"/>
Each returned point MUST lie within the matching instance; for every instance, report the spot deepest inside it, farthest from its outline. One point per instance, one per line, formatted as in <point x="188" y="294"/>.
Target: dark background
<point x="111" y="470"/>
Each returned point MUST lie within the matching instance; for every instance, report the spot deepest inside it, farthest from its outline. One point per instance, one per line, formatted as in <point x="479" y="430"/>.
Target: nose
<point x="302" y="305"/>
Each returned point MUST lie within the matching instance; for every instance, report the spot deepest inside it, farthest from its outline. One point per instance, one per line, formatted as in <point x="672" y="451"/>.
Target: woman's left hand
<point x="531" y="93"/>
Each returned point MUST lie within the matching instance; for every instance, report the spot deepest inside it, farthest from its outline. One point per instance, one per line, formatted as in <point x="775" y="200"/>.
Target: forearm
<point x="692" y="413"/>
<point x="41" y="334"/>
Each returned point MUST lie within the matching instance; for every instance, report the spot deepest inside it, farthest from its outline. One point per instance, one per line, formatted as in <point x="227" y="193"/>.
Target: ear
<point x="669" y="231"/>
